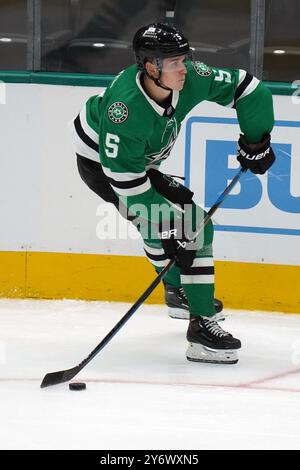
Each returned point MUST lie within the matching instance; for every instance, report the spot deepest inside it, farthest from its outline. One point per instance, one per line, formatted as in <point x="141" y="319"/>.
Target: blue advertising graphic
<point x="218" y="174"/>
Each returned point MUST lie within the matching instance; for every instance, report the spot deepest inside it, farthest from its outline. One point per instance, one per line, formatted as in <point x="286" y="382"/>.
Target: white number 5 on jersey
<point x="111" y="145"/>
<point x="223" y="75"/>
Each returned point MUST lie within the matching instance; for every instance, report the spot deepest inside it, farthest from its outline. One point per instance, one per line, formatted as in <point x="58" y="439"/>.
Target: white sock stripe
<point x="154" y="251"/>
<point x="202" y="262"/>
<point x="197" y="279"/>
<point x="159" y="264"/>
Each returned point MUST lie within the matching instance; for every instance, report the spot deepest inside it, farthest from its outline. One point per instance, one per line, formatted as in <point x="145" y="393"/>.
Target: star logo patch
<point x="118" y="112"/>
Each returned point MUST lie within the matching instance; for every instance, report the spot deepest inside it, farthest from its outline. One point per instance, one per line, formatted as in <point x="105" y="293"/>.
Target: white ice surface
<point x="141" y="391"/>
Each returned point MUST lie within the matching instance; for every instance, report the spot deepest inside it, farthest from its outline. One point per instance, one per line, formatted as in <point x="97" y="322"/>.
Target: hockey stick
<point x="54" y="378"/>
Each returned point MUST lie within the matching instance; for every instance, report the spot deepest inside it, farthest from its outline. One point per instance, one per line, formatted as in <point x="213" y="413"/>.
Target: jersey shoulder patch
<point x="202" y="69"/>
<point x="118" y="112"/>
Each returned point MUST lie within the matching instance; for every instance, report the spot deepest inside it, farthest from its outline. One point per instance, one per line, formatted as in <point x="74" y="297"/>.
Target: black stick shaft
<point x="161" y="275"/>
<point x="63" y="376"/>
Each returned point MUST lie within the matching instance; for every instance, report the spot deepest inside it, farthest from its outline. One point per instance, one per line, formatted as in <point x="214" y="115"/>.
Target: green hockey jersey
<point x="128" y="132"/>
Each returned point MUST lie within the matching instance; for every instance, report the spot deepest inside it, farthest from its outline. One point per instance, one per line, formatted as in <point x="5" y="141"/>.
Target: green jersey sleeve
<point x="235" y="88"/>
<point x="249" y="96"/>
<point x="255" y="114"/>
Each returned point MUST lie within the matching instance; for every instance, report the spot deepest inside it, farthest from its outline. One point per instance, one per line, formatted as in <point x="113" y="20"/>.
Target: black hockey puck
<point x="77" y="386"/>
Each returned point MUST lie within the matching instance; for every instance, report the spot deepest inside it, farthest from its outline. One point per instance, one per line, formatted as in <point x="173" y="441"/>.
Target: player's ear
<point x="151" y="69"/>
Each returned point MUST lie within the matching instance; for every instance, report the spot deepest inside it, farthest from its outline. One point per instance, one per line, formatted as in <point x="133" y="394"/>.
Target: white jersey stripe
<point x="197" y="279"/>
<point x="242" y="75"/>
<point x="135" y="191"/>
<point x="122" y="176"/>
<point x="87" y="128"/>
<point x="81" y="147"/>
<point x="250" y="88"/>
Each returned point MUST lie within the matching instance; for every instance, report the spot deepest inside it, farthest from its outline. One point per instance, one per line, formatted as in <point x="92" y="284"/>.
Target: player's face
<point x="174" y="72"/>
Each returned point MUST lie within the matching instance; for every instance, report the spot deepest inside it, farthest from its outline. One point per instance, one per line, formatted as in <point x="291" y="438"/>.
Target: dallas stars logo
<point x="202" y="69"/>
<point x="172" y="183"/>
<point x="118" y="112"/>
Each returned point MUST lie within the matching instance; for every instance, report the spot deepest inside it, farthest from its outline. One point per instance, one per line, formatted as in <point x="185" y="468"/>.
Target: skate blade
<point x="178" y="313"/>
<point x="199" y="353"/>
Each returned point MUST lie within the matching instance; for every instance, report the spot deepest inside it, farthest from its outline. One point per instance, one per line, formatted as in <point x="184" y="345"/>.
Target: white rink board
<point x="46" y="207"/>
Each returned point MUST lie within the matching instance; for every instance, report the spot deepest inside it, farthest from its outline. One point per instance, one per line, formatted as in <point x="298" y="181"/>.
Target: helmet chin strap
<point x="159" y="83"/>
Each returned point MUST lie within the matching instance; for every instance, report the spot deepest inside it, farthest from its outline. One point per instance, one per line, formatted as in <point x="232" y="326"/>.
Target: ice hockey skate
<point x="208" y="342"/>
<point x="178" y="306"/>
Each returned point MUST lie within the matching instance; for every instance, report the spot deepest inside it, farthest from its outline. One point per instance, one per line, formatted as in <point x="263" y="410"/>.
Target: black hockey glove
<point x="176" y="245"/>
<point x="257" y="158"/>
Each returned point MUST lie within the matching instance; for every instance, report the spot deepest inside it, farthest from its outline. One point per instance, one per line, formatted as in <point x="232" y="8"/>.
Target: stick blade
<point x="59" y="377"/>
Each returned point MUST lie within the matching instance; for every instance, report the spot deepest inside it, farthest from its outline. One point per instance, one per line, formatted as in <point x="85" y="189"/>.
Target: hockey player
<point x="123" y="136"/>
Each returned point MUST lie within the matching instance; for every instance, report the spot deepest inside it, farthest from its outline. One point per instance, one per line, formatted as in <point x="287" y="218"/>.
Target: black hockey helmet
<point x="158" y="41"/>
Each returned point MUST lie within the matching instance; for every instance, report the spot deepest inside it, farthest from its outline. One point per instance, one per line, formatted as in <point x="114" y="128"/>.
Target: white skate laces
<point x="213" y="327"/>
<point x="182" y="293"/>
